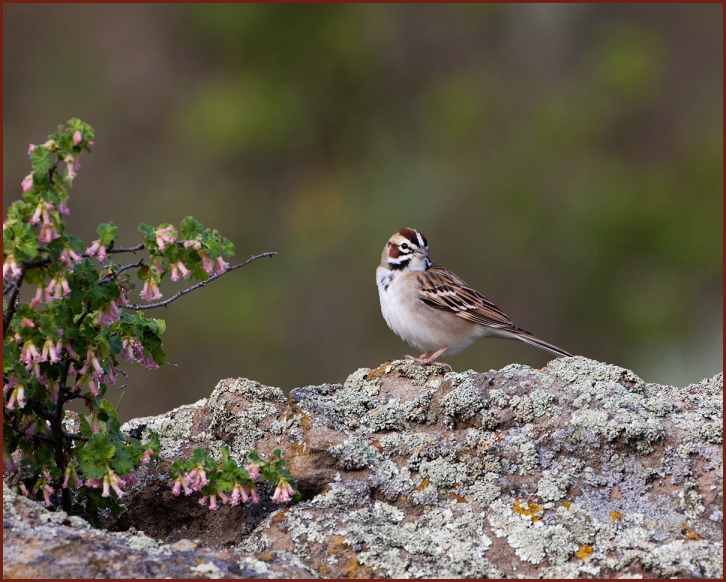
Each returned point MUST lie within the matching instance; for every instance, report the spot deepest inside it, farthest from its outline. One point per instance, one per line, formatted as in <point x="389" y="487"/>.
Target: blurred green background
<point x="565" y="160"/>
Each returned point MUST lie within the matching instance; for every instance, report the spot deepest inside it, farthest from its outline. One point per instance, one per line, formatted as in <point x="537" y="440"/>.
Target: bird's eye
<point x="404" y="246"/>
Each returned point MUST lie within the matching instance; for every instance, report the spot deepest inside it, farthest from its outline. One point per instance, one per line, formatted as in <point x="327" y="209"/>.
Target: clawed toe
<point x="426" y="360"/>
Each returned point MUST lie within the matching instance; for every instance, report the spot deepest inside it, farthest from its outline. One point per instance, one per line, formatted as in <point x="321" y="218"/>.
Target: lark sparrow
<point x="434" y="310"/>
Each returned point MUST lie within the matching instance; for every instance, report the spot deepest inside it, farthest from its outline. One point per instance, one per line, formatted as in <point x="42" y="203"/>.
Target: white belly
<point x="423" y="327"/>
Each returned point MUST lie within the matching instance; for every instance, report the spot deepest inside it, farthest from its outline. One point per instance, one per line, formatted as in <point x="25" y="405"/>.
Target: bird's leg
<point x="425" y="359"/>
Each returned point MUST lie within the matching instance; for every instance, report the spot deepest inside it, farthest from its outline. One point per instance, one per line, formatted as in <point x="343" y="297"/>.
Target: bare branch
<point x="11" y="301"/>
<point x="200" y="284"/>
<point x="115" y="274"/>
<point x="138" y="247"/>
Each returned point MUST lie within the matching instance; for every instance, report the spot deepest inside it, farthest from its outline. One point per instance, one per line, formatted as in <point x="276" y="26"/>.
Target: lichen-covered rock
<point x="38" y="543"/>
<point x="578" y="469"/>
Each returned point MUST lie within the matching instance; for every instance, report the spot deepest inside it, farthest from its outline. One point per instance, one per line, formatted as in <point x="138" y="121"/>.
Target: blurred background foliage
<point x="565" y="160"/>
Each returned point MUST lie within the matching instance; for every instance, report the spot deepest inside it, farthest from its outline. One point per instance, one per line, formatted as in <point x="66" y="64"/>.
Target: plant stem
<point x="204" y="283"/>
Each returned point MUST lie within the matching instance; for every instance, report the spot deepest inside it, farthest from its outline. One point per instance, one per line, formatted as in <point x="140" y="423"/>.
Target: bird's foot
<point x="430" y="360"/>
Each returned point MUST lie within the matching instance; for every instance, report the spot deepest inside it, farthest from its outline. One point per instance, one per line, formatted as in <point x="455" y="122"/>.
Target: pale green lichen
<point x="551" y="488"/>
<point x="567" y="465"/>
<point x="464" y="401"/>
<point x="174" y="428"/>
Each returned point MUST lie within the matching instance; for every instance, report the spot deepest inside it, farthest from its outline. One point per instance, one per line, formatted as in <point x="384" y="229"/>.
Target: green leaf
<point x="107" y="233"/>
<point x="190" y="228"/>
<point x="94" y="456"/>
<point x="123" y="463"/>
<point x="147" y="231"/>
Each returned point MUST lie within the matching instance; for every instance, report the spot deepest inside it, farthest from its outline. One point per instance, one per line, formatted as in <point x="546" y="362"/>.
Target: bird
<point x="433" y="309"/>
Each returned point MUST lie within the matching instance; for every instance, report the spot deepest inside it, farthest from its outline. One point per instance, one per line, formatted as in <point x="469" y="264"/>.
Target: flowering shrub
<point x="226" y="480"/>
<point x="67" y="341"/>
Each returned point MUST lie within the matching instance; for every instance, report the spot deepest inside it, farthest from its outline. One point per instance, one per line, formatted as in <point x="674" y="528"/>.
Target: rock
<point x="577" y="470"/>
<point x="38" y="543"/>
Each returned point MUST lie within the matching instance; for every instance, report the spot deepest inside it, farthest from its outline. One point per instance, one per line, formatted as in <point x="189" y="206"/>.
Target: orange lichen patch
<point x="616" y="515"/>
<point x="265" y="556"/>
<point x="335" y="543"/>
<point x="531" y="510"/>
<point x="280" y="516"/>
<point x="567" y="504"/>
<point x="499" y="437"/>
<point x="458" y="498"/>
<point x="377" y="444"/>
<point x="584" y="552"/>
<point x="354" y="569"/>
<point x="379" y="372"/>
<point x="688" y="533"/>
<point x="424" y="484"/>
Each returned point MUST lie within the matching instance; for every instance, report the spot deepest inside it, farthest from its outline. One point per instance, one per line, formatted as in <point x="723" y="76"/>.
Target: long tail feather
<point x="535" y="341"/>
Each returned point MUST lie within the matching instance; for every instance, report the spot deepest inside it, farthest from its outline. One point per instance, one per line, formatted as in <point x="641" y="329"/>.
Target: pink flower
<point x="31" y="149"/>
<point x="21" y="395"/>
<point x="47" y="233"/>
<point x="106" y="486"/>
<point x="70" y="477"/>
<point x="73" y="166"/>
<point x="163" y="236"/>
<point x="150" y="291"/>
<point x="222" y="265"/>
<point x="27" y="323"/>
<point x="63" y="208"/>
<point x="69" y="258"/>
<point x="132" y="349"/>
<point x="195" y="244"/>
<point x="212" y="502"/>
<point x="203" y="500"/>
<point x="197" y="477"/>
<point x="207" y="263"/>
<point x="77" y="138"/>
<point x="148" y="453"/>
<point x="47" y="492"/>
<point x="95" y="390"/>
<point x="238" y="492"/>
<point x="97" y="248"/>
<point x="69" y="349"/>
<point x="175" y="268"/>
<point x="49" y="351"/>
<point x="149" y="363"/>
<point x="39" y="292"/>
<point x="11" y="401"/>
<point x="115" y="482"/>
<point x="57" y="288"/>
<point x="253" y="470"/>
<point x="108" y="314"/>
<point x="27" y="182"/>
<point x="223" y="496"/>
<point x="37" y="215"/>
<point x="30" y="353"/>
<point x="283" y="492"/>
<point x="11" y="266"/>
<point x="94" y="361"/>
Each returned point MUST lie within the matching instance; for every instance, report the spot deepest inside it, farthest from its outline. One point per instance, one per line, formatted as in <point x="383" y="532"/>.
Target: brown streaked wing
<point x="442" y="289"/>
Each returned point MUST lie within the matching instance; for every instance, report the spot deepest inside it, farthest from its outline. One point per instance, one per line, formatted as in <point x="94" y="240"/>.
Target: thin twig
<point x="200" y="284"/>
<point x="120" y="371"/>
<point x="11" y="302"/>
<point x="75" y="437"/>
<point x="115" y="274"/>
<point x="48" y="260"/>
<point x="138" y="247"/>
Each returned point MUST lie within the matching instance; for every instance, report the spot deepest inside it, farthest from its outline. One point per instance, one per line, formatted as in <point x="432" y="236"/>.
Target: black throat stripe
<point x="398" y="266"/>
